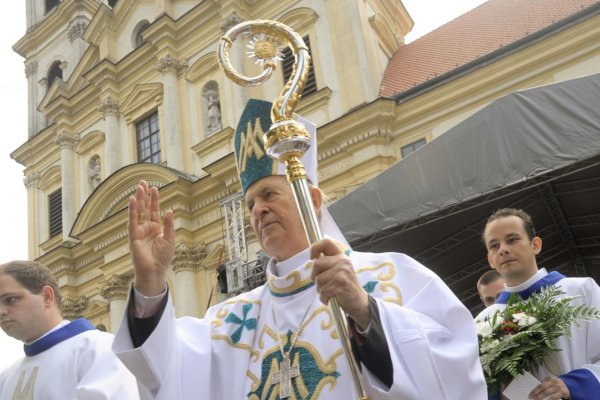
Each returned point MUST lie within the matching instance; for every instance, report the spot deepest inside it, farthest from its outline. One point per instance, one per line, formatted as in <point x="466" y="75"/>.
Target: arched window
<point x="54" y="72"/>
<point x="137" y="37"/>
<point x="50" y="5"/>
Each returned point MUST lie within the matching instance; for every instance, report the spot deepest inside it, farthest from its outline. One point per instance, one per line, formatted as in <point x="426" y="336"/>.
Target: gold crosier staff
<point x="287" y="139"/>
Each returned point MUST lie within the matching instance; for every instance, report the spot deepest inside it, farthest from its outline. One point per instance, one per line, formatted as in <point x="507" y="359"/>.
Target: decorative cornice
<point x="208" y="218"/>
<point x="113" y="239"/>
<point x="31" y="68"/>
<point x="66" y="141"/>
<point x="168" y="64"/>
<point x="335" y="169"/>
<point x="73" y="309"/>
<point x="135" y="68"/>
<point x="108" y="107"/>
<point x="199" y="22"/>
<point x="229" y="22"/>
<point x="115" y="288"/>
<point x="125" y="194"/>
<point x="212" y="199"/>
<point x="63" y="267"/>
<point x="31" y="180"/>
<point x="344" y="145"/>
<point x="189" y="258"/>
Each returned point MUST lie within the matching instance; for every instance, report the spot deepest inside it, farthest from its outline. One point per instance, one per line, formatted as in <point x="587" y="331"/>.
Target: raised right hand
<point x="152" y="246"/>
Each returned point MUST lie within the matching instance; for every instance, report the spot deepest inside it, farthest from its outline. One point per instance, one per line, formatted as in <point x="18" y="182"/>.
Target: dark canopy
<point x="537" y="149"/>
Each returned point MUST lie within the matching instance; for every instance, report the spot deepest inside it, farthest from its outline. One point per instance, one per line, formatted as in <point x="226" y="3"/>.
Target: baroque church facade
<point x="123" y="90"/>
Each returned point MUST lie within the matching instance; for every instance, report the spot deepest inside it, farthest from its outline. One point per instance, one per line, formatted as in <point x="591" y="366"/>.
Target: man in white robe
<point x="63" y="360"/>
<point x="412" y="336"/>
<point x="573" y="372"/>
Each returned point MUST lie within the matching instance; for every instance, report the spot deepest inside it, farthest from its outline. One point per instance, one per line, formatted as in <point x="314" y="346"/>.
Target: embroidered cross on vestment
<point x="284" y="377"/>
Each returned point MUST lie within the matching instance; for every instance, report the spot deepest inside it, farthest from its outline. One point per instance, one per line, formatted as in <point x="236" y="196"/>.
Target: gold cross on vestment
<point x="284" y="377"/>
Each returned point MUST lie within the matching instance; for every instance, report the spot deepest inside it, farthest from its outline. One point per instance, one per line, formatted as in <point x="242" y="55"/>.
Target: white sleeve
<point x="101" y="375"/>
<point x="174" y="362"/>
<point x="432" y="343"/>
<point x="146" y="306"/>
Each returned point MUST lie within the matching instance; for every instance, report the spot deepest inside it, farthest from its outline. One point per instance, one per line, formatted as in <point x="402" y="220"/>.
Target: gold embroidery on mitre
<point x="251" y="144"/>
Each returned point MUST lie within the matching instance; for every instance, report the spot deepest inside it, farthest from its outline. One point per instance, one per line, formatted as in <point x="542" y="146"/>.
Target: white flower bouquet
<point x="516" y="339"/>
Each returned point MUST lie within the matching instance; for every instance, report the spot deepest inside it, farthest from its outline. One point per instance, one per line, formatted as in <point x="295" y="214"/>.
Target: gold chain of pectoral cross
<point x="286" y="372"/>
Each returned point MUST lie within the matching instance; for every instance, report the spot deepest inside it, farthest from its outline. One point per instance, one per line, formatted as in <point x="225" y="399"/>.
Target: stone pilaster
<point x="171" y="69"/>
<point x="73" y="309"/>
<point x="187" y="261"/>
<point x="168" y="64"/>
<point x="115" y="290"/>
<point x="112" y="149"/>
<point x="67" y="144"/>
<point x="229" y="22"/>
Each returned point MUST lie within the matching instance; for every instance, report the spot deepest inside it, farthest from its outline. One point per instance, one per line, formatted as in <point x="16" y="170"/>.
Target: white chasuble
<point x="578" y="361"/>
<point x="237" y="351"/>
<point x="81" y="367"/>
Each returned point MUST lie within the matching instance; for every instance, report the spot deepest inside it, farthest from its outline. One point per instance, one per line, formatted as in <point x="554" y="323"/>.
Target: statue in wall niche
<point x="214" y="113"/>
<point x="94" y="173"/>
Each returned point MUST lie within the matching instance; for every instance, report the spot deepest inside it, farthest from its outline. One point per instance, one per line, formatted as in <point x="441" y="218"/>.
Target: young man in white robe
<point x="512" y="246"/>
<point x="412" y="336"/>
<point x="63" y="360"/>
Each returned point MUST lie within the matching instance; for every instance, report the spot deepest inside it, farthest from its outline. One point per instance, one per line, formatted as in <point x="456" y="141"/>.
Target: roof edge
<point x="513" y="47"/>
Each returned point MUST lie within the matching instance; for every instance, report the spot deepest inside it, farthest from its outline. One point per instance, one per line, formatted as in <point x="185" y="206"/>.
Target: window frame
<point x="147" y="140"/>
<point x="412" y="147"/>
<point x="55" y="213"/>
<point x="287" y="65"/>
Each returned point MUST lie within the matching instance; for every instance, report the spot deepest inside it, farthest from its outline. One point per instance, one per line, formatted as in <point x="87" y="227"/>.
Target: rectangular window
<point x="55" y="212"/>
<point x="287" y="65"/>
<point x="411" y="148"/>
<point x="148" y="139"/>
<point x="51" y="5"/>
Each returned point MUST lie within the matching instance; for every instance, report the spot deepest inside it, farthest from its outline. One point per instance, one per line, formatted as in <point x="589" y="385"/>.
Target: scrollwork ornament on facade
<point x="81" y="304"/>
<point x="73" y="309"/>
<point x="76" y="30"/>
<point x="69" y="308"/>
<point x="31" y="179"/>
<point x="108" y="107"/>
<point x="169" y="64"/>
<point x="31" y="68"/>
<point x="229" y="22"/>
<point x="66" y="141"/>
<point x="114" y="288"/>
<point x="189" y="258"/>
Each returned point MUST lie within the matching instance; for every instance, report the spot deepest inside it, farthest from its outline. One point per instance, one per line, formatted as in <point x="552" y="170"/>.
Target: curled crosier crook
<point x="266" y="36"/>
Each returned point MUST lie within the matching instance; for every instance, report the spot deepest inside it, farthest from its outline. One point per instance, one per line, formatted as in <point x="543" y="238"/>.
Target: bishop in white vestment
<point x="411" y="335"/>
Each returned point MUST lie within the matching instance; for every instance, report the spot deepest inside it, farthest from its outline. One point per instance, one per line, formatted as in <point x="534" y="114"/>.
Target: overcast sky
<point x="426" y="14"/>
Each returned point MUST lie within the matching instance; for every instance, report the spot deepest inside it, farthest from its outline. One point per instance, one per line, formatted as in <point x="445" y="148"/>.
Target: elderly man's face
<point x="275" y="217"/>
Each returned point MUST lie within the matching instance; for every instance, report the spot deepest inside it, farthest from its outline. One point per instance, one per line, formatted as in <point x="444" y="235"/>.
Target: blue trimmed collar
<point x="53" y="338"/>
<point x="550" y="279"/>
